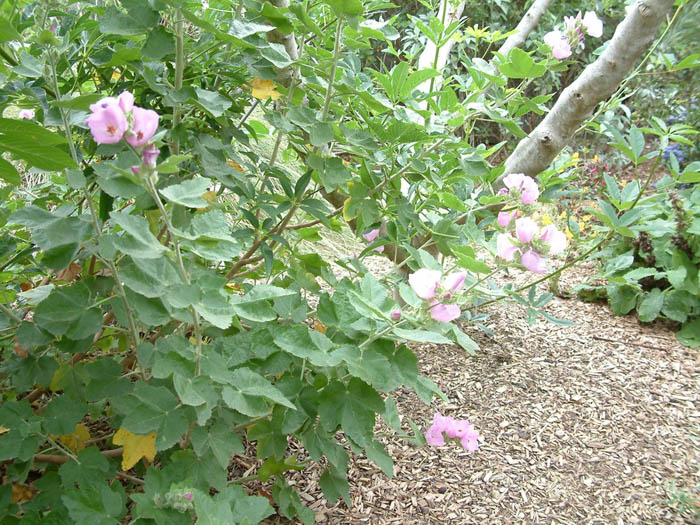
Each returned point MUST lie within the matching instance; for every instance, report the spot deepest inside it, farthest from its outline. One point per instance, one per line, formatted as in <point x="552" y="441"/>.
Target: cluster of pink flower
<point x="459" y="429"/>
<point x="529" y="242"/>
<point x="115" y="118"/>
<point x="564" y="42"/>
<point x="27" y="114"/>
<point x="429" y="285"/>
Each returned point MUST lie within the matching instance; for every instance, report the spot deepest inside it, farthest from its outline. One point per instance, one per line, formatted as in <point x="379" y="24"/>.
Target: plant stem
<point x="179" y="71"/>
<point x="334" y="67"/>
<point x="9" y="313"/>
<point x="180" y="266"/>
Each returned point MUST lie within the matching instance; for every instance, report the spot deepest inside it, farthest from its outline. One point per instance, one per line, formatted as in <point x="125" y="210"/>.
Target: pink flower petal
<point x="425" y="282"/>
<point x="371" y="235"/>
<point x="593" y="24"/>
<point x="145" y="124"/>
<point x="445" y="312"/>
<point x="454" y="281"/>
<point x="525" y="229"/>
<point x="107" y="124"/>
<point x="533" y="262"/>
<point x="555" y="239"/>
<point x="506" y="247"/>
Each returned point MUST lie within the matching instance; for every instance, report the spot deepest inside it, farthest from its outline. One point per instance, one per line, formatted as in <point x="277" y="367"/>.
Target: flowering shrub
<point x="571" y="39"/>
<point x="166" y="302"/>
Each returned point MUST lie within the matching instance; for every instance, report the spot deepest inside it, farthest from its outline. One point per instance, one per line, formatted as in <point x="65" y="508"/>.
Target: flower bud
<point x="396" y="314"/>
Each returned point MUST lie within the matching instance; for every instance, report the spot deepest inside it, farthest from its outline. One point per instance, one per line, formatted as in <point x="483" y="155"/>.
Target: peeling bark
<point x="596" y="83"/>
<point x="526" y="25"/>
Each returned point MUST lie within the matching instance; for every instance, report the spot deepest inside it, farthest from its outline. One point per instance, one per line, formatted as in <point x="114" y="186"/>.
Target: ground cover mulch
<point x="585" y="424"/>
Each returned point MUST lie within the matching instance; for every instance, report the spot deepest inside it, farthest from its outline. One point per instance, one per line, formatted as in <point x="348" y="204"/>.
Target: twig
<point x="55" y="459"/>
<point x="652" y="347"/>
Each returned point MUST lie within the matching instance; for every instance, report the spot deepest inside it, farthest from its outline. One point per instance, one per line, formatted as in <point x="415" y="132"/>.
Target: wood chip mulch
<point x="585" y="424"/>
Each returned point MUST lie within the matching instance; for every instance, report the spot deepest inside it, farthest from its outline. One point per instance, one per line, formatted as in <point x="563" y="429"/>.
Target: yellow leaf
<point x="21" y="493"/>
<point x="346" y="216"/>
<point x="116" y="75"/>
<point x="135" y="447"/>
<point x="77" y="440"/>
<point x="263" y="89"/>
<point x="234" y="165"/>
<point x="3" y="430"/>
<point x="319" y="326"/>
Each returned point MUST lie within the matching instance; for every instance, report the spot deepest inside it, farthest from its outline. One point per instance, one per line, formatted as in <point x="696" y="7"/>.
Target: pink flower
<point x="144" y="126"/>
<point x="444" y="312"/>
<point x="504" y="218"/>
<point x="559" y="44"/>
<point x="506" y="247"/>
<point x="454" y="281"/>
<point x="555" y="239"/>
<point x="425" y="282"/>
<point x="396" y="314"/>
<point x="103" y="103"/>
<point x="533" y="262"/>
<point x="524" y="184"/>
<point x="107" y="122"/>
<point x="370" y="236"/>
<point x="454" y="429"/>
<point x="126" y="101"/>
<point x="150" y="154"/>
<point x="27" y="113"/>
<point x="188" y="496"/>
<point x="593" y="24"/>
<point x="440" y="424"/>
<point x="525" y="229"/>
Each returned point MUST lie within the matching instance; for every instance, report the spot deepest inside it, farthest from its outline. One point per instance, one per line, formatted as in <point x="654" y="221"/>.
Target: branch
<point x="526" y="25"/>
<point x="596" y="83"/>
<point x="59" y="460"/>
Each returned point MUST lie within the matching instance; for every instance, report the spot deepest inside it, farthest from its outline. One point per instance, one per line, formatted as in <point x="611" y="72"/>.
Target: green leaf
<point x="651" y="305"/>
<point x="352" y="407"/>
<point x="29" y="66"/>
<point x="188" y="193"/>
<point x="151" y="277"/>
<point x="334" y="485"/>
<point x="212" y="101"/>
<point x="300" y="342"/>
<point x="521" y="65"/>
<point x="421" y="336"/>
<point x="160" y="43"/>
<point x="170" y="165"/>
<point x="622" y="299"/>
<point x="346" y="7"/>
<point x="9" y="173"/>
<point x="8" y="31"/>
<point x="66" y="311"/>
<point x="271" y="441"/>
<point x="98" y="505"/>
<point x="138" y="241"/>
<point x="33" y="144"/>
<point x="321" y="134"/>
<point x="138" y="19"/>
<point x="153" y="409"/>
<point x="80" y="102"/>
<point x="276" y="54"/>
<point x="689" y="334"/>
<point x="219" y="438"/>
<point x="62" y="414"/>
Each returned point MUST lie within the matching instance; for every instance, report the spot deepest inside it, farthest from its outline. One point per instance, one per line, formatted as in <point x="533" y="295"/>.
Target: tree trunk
<point x="526" y="25"/>
<point x="596" y="83"/>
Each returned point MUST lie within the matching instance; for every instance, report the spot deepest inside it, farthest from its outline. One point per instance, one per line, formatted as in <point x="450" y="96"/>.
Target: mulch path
<point x="581" y="424"/>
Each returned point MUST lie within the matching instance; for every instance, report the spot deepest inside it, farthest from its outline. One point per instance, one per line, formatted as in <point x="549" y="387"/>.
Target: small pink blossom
<point x="107" y="122"/>
<point x="370" y="236"/>
<point x="126" y="101"/>
<point x="454" y="429"/>
<point x="425" y="282"/>
<point x="188" y="496"/>
<point x="504" y="218"/>
<point x="27" y="113"/>
<point x="454" y="281"/>
<point x="555" y="239"/>
<point x="103" y="103"/>
<point x="525" y="229"/>
<point x="396" y="314"/>
<point x="145" y="124"/>
<point x="593" y="24"/>
<point x="506" y="247"/>
<point x="150" y="154"/>
<point x="445" y="313"/>
<point x="559" y="44"/>
<point x="524" y="184"/>
<point x="533" y="262"/>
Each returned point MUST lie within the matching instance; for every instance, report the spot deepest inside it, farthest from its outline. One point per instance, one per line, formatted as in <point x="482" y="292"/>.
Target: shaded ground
<point x="582" y="424"/>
